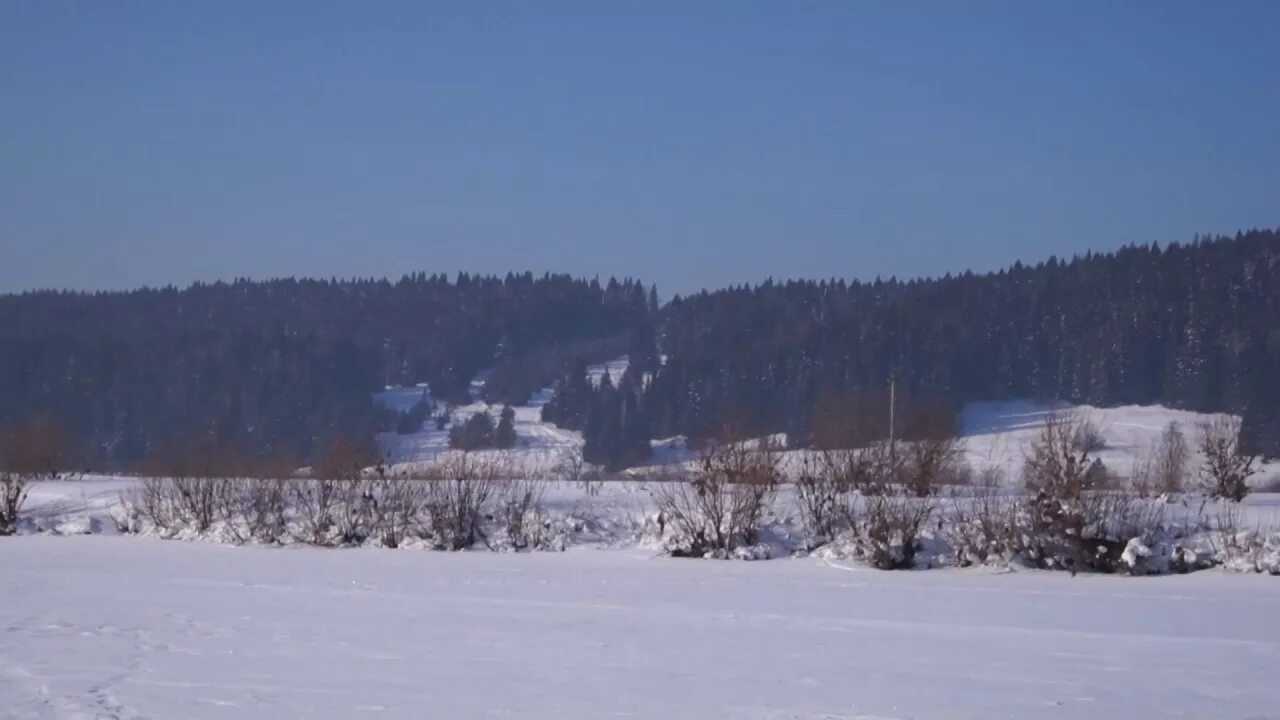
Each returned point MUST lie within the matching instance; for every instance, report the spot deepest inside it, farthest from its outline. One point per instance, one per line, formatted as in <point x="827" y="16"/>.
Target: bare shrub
<point x="982" y="528"/>
<point x="343" y="464"/>
<point x="723" y="502"/>
<point x="520" y="511"/>
<point x="1073" y="521"/>
<point x="265" y="508"/>
<point x="396" y="504"/>
<point x="571" y="469"/>
<point x="315" y="501"/>
<point x="1226" y="470"/>
<point x="1169" y="468"/>
<point x="28" y="453"/>
<point x="990" y="476"/>
<point x="871" y="470"/>
<point x="1142" y="478"/>
<point x="1056" y="464"/>
<point x="929" y="462"/>
<point x="888" y="533"/>
<point x="13" y="493"/>
<point x="458" y="491"/>
<point x="822" y="497"/>
<point x="1163" y="468"/>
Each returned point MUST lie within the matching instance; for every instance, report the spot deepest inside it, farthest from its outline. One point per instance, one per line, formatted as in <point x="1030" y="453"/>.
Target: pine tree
<point x="505" y="436"/>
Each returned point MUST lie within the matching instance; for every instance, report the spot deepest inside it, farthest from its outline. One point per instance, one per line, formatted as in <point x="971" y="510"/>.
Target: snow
<point x="119" y="627"/>
<point x="993" y="434"/>
<point x="999" y="433"/>
<point x="97" y="625"/>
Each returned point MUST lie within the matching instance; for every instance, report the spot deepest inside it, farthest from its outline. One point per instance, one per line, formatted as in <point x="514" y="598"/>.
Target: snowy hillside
<point x="993" y="434"/>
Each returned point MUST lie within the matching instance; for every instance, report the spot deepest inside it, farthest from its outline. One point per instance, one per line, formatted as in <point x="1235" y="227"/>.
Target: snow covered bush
<point x="720" y="506"/>
<point x="888" y="529"/>
<point x="981" y="528"/>
<point x="457" y="494"/>
<point x="1076" y="520"/>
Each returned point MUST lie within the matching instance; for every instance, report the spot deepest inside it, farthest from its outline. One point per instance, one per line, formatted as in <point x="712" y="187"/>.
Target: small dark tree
<point x="476" y="433"/>
<point x="505" y="436"/>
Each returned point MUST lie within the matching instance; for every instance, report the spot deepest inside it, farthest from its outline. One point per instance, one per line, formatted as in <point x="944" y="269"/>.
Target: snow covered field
<point x="96" y="625"/>
<point x="120" y="627"/>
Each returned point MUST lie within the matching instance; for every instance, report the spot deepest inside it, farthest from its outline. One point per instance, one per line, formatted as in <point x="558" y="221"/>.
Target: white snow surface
<point x="120" y="627"/>
<point x="97" y="625"/>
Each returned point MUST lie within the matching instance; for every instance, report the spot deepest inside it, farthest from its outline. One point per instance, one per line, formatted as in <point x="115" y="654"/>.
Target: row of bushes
<point x="448" y="508"/>
<point x="881" y="503"/>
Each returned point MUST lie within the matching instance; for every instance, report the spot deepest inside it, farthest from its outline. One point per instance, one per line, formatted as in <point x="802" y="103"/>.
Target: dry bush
<point x="982" y="528"/>
<point x="458" y="492"/>
<point x="823" y="497"/>
<point x="1163" y="469"/>
<point x="871" y="470"/>
<point x="266" y="508"/>
<point x="722" y="504"/>
<point x="1074" y="521"/>
<point x="928" y="463"/>
<point x="331" y="506"/>
<point x="29" y="453"/>
<point x="571" y="469"/>
<point x="343" y="465"/>
<point x="520" y="511"/>
<point x="888" y="529"/>
<point x="1056" y="465"/>
<point x="315" y="501"/>
<point x="1226" y="470"/>
<point x="1142" y="478"/>
<point x="1170" y="461"/>
<point x="397" y="506"/>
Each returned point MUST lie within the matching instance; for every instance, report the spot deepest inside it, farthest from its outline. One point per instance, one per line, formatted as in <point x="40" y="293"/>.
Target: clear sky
<point x="687" y="143"/>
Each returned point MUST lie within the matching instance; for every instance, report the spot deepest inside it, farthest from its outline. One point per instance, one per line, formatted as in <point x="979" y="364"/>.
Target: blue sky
<point x="687" y="143"/>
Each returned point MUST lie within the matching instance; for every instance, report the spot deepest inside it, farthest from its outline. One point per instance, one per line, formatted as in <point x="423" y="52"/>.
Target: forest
<point x="1193" y="326"/>
<point x="278" y="367"/>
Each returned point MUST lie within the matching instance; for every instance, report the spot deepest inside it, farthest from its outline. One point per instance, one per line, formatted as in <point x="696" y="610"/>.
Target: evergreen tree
<point x="505" y="436"/>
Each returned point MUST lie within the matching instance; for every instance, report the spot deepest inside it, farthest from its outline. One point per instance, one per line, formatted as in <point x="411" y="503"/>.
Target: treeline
<point x="280" y="366"/>
<point x="1193" y="326"/>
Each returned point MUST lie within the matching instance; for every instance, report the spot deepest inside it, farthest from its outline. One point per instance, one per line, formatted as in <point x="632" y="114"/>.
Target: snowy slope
<point x="993" y="433"/>
<point x="99" y="627"/>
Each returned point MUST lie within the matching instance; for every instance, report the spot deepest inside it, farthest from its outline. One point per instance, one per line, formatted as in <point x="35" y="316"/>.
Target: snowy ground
<point x="103" y="626"/>
<point x="119" y="627"/>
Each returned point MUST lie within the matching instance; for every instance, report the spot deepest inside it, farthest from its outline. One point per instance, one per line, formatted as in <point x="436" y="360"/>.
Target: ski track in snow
<point x="117" y="627"/>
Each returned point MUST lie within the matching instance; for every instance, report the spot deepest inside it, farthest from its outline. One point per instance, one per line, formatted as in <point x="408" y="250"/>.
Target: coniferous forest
<point x="279" y="366"/>
<point x="1193" y="326"/>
